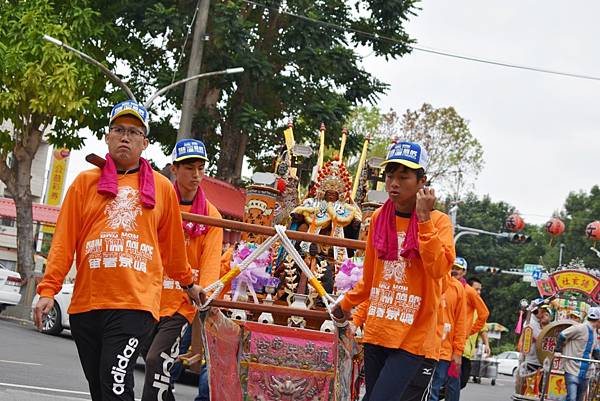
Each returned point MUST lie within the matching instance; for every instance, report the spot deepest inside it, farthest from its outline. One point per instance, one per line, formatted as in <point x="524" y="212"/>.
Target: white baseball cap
<point x="594" y="313"/>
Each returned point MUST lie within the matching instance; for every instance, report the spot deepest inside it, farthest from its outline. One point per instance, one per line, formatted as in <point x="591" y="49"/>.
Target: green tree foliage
<point x="363" y="121"/>
<point x="502" y="292"/>
<point x="44" y="93"/>
<point x="455" y="155"/>
<point x="580" y="209"/>
<point x="294" y="68"/>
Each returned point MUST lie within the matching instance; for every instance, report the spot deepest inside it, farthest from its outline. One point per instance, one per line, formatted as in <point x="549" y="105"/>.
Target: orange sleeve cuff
<point x="345" y="304"/>
<point x="188" y="282"/>
<point x="426" y="227"/>
<point x="46" y="293"/>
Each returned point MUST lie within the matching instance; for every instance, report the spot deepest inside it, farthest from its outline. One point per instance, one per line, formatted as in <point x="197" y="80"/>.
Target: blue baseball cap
<point x="409" y="154"/>
<point x="133" y="108"/>
<point x="189" y="149"/>
<point x="461" y="263"/>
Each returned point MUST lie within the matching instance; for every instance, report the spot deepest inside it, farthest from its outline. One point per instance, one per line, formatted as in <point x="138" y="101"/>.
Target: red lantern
<point x="592" y="231"/>
<point x="514" y="223"/>
<point x="555" y="227"/>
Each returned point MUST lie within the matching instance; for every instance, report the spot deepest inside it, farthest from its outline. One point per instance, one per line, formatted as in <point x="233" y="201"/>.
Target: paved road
<point x="502" y="391"/>
<point x="36" y="367"/>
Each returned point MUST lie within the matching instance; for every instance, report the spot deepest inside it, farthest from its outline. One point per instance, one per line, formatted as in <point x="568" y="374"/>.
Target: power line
<point x="187" y="36"/>
<point x="444" y="53"/>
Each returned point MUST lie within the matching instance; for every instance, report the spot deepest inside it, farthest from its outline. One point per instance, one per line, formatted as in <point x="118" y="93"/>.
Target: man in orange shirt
<point x="453" y="332"/>
<point x="409" y="250"/>
<point x="478" y="313"/>
<point x="204" y="245"/>
<point x="474" y="301"/>
<point x="122" y="223"/>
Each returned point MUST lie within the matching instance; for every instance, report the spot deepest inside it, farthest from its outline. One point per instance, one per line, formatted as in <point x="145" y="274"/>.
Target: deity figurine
<point x="329" y="210"/>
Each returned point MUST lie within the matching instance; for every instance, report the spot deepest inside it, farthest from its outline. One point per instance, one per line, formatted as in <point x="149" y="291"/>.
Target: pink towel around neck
<point x="410" y="246"/>
<point x="385" y="236"/>
<point x="108" y="184"/>
<point x="199" y="206"/>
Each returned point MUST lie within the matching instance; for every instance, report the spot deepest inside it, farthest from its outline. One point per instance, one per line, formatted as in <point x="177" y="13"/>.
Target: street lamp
<point x="117" y="81"/>
<point x="476" y="231"/>
<point x="460" y="234"/>
<point x="514" y="238"/>
<point x="111" y="75"/>
<point x="235" y="70"/>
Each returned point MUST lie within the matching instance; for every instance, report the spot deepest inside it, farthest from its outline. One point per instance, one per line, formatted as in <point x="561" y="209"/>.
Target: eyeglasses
<point x="122" y="131"/>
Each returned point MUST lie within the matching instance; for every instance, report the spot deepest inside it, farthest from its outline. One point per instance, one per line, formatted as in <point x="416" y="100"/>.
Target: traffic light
<point x="487" y="269"/>
<point x="518" y="238"/>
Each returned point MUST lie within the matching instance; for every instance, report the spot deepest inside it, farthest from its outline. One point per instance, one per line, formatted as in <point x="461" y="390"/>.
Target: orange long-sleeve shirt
<point x="475" y="303"/>
<point x="404" y="294"/>
<point x="453" y="327"/>
<point x="433" y="342"/>
<point x="360" y="314"/>
<point x="121" y="247"/>
<point x="204" y="255"/>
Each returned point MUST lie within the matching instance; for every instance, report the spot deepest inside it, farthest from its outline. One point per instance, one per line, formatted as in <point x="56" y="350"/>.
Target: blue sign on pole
<point x="536" y="274"/>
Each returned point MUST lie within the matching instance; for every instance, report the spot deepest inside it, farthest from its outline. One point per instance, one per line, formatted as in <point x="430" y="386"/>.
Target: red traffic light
<point x="519" y="238"/>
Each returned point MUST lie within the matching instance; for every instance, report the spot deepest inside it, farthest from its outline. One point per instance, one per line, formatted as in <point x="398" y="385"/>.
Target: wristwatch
<point x="187" y="287"/>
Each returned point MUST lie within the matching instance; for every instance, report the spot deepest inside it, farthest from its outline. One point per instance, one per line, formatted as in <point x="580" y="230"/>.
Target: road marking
<point x="56" y="390"/>
<point x="21" y="394"/>
<point x="20" y="363"/>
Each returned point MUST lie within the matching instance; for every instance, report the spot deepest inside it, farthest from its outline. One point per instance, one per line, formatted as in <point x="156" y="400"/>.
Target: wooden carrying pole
<point x="262" y="230"/>
<point x="270" y="231"/>
<point x="274" y="309"/>
<point x="252" y="228"/>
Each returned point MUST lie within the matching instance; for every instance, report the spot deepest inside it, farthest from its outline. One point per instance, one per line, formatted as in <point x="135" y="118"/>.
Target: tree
<point x="580" y="209"/>
<point x="43" y="91"/>
<point x="454" y="153"/>
<point x="363" y="121"/>
<point x="501" y="292"/>
<point x="485" y="214"/>
<point x="295" y="68"/>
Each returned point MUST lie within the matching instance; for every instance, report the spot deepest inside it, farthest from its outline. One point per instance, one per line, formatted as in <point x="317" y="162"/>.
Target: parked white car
<point x="10" y="288"/>
<point x="508" y="362"/>
<point x="58" y="318"/>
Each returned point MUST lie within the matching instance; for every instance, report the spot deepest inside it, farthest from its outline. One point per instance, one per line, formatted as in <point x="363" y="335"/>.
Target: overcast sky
<point x="540" y="132"/>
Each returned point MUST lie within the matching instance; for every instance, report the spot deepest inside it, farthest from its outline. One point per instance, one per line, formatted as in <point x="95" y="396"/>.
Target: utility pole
<point x="560" y="254"/>
<point x="453" y="212"/>
<point x="191" y="87"/>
